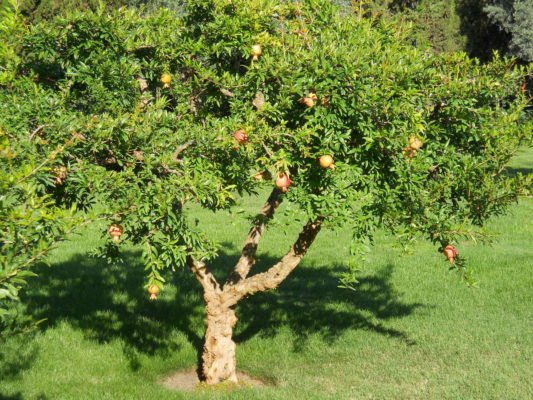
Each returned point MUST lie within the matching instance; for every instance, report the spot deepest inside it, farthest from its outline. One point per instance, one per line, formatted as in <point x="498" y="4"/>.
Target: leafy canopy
<point x="89" y="83"/>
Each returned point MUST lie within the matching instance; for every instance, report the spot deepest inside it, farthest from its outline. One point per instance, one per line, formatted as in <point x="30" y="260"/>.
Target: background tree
<point x="449" y="26"/>
<point x="515" y="17"/>
<point x="337" y="115"/>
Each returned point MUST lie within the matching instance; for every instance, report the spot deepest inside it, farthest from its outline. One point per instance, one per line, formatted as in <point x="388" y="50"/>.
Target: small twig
<point x="268" y="151"/>
<point x="170" y="170"/>
<point x="181" y="148"/>
<point x="227" y="93"/>
<point x="36" y="131"/>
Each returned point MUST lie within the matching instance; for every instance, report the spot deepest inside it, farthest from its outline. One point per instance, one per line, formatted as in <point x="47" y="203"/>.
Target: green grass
<point x="412" y="330"/>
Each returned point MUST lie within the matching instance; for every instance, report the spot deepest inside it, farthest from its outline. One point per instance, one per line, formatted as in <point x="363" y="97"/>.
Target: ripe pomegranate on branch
<point x="166" y="78"/>
<point x="256" y="52"/>
<point x="283" y="182"/>
<point x="240" y="136"/>
<point x="451" y="253"/>
<point x="326" y="162"/>
<point x="115" y="231"/>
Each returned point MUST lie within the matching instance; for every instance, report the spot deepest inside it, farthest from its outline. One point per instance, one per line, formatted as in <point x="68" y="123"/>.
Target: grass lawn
<point x="412" y="330"/>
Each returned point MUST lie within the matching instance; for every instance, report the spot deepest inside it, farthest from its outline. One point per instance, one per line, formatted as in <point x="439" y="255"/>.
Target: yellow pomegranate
<point x="326" y="161"/>
<point x="415" y="143"/>
<point x="256" y="52"/>
<point x="154" y="291"/>
<point x="166" y="78"/>
<point x="308" y="101"/>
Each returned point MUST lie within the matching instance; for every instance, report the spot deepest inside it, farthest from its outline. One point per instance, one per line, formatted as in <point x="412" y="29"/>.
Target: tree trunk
<point x="218" y="359"/>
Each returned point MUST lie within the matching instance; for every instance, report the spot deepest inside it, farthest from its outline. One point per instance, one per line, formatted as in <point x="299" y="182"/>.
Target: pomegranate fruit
<point x="166" y="79"/>
<point x="326" y="161"/>
<point x="115" y="231"/>
<point x="309" y="102"/>
<point x="283" y="182"/>
<point x="154" y="291"/>
<point x="415" y="143"/>
<point x="451" y="253"/>
<point x="60" y="175"/>
<point x="240" y="136"/>
<point x="256" y="52"/>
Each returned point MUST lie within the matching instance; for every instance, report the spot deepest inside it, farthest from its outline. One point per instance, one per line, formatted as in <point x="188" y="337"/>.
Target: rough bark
<point x="247" y="259"/>
<point x="218" y="359"/>
<point x="204" y="277"/>
<point x="218" y="354"/>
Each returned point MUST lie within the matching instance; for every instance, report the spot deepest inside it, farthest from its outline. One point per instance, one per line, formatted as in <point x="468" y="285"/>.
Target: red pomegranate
<point x="450" y="252"/>
<point x="283" y="182"/>
<point x="240" y="136"/>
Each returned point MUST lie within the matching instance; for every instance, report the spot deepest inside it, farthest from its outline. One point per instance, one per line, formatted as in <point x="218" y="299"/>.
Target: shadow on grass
<point x="16" y="396"/>
<point x="311" y="303"/>
<point x="16" y="355"/>
<point x="109" y="302"/>
<point x="512" y="172"/>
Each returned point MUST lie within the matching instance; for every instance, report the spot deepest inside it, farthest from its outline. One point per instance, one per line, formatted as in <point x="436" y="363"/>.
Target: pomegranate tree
<point x="419" y="140"/>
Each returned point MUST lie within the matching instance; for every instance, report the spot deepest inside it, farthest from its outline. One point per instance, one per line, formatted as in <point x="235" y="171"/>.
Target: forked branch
<point x="277" y="273"/>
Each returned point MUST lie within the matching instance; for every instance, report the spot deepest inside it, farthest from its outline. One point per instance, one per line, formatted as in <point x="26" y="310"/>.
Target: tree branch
<point x="247" y="259"/>
<point x="180" y="149"/>
<point x="277" y="273"/>
<point x="206" y="278"/>
<point x="36" y="131"/>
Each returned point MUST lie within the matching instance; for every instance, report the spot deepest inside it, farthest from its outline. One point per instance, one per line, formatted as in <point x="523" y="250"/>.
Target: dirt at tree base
<point x="188" y="381"/>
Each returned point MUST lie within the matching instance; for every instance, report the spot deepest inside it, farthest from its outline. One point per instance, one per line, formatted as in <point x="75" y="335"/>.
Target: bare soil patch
<point x="188" y="381"/>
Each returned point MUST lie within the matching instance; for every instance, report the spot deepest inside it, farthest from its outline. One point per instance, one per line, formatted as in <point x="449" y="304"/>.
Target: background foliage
<point x="476" y="26"/>
<point x="515" y="17"/>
